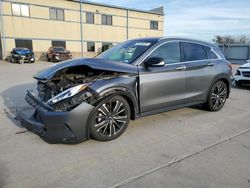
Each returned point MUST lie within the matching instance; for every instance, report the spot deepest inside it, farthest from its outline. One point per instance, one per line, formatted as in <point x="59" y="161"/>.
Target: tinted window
<point x="90" y="17"/>
<point x="170" y="52"/>
<point x="58" y="43"/>
<point x="193" y="52"/>
<point x="154" y="25"/>
<point x="24" y="44"/>
<point x="210" y="53"/>
<point x="58" y="49"/>
<point x="106" y="20"/>
<point x="106" y="46"/>
<point x="56" y="14"/>
<point x="90" y="46"/>
<point x="126" y="52"/>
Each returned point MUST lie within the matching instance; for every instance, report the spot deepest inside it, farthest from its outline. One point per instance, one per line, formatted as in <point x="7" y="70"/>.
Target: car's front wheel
<point x="12" y="60"/>
<point x="110" y="118"/>
<point x="217" y="96"/>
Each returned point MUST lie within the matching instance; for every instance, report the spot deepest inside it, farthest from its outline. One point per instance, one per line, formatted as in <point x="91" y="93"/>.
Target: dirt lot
<point x="189" y="147"/>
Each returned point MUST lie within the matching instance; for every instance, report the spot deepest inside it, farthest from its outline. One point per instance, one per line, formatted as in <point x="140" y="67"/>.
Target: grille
<point x="35" y="102"/>
<point x="246" y="74"/>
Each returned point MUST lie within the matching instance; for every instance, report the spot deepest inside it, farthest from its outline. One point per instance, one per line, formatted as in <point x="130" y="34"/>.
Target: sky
<point x="201" y="19"/>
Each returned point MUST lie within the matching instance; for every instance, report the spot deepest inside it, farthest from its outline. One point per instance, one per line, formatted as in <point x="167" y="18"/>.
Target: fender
<point x="127" y="94"/>
<point x="221" y="77"/>
<point x="124" y="92"/>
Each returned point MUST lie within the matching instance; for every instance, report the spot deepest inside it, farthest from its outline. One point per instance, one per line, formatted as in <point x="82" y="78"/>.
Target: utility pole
<point x="2" y="36"/>
<point x="81" y="27"/>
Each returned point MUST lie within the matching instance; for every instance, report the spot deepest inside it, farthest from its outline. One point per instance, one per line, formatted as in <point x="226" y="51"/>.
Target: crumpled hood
<point x="94" y="63"/>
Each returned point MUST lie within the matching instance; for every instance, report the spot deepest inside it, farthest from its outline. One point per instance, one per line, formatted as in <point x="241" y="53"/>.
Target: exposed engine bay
<point x="69" y="87"/>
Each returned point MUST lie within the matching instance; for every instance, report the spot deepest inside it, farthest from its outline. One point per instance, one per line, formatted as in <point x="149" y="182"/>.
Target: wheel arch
<point x="223" y="78"/>
<point x="127" y="94"/>
<point x="121" y="91"/>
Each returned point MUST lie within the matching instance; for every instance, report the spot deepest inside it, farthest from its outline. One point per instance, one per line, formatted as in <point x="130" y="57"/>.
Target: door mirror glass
<point x="154" y="62"/>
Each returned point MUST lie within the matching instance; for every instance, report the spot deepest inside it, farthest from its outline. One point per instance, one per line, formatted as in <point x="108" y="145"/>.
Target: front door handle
<point x="210" y="64"/>
<point x="181" y="68"/>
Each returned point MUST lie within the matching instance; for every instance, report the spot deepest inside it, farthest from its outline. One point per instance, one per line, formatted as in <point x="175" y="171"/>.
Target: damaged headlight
<point x="67" y="93"/>
<point x="72" y="97"/>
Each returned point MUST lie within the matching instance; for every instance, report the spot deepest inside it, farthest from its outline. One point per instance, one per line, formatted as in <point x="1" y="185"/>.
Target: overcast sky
<point x="202" y="19"/>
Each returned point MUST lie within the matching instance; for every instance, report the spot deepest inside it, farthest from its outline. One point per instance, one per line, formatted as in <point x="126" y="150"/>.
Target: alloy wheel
<point x="218" y="95"/>
<point x="111" y="117"/>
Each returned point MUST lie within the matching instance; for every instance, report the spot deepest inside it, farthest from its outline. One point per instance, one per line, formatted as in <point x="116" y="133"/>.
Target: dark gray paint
<point x="149" y="90"/>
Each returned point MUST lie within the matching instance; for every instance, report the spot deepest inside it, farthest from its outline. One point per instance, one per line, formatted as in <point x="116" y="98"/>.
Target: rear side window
<point x="193" y="52"/>
<point x="170" y="52"/>
<point x="210" y="53"/>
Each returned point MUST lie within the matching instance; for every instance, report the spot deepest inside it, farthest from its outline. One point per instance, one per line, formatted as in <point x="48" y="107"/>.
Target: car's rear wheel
<point x="110" y="118"/>
<point x="217" y="96"/>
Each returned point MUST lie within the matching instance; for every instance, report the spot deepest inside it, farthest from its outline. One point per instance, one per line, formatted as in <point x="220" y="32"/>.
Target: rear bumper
<point x="57" y="127"/>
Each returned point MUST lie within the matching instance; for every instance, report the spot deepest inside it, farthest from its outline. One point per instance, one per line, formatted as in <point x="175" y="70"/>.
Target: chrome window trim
<point x="218" y="56"/>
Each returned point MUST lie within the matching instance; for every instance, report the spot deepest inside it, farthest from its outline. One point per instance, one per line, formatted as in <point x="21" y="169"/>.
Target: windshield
<point x="59" y="49"/>
<point x="22" y="51"/>
<point x="126" y="52"/>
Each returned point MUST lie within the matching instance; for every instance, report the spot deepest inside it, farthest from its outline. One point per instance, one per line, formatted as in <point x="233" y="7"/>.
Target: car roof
<point x="20" y="48"/>
<point x="158" y="39"/>
<point x="57" y="47"/>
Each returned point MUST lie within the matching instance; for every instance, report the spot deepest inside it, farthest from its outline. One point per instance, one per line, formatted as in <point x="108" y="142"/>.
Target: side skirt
<point x="170" y="108"/>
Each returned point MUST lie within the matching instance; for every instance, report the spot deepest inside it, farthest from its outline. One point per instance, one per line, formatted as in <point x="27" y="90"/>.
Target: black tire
<point x="217" y="96"/>
<point x="110" y="118"/>
<point x="12" y="60"/>
<point x="238" y="83"/>
<point x="54" y="59"/>
<point x="48" y="59"/>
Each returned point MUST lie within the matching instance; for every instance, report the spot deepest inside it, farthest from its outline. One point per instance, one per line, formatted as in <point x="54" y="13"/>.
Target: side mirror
<point x="154" y="62"/>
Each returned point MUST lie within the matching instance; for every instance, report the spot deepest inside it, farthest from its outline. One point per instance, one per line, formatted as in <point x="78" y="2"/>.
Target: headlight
<point x="237" y="73"/>
<point x="67" y="93"/>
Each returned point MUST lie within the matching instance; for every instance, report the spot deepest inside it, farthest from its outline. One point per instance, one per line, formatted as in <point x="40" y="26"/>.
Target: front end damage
<point x="64" y="102"/>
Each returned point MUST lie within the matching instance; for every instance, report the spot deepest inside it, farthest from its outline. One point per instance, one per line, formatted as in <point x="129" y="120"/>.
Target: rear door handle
<point x="181" y="68"/>
<point x="210" y="64"/>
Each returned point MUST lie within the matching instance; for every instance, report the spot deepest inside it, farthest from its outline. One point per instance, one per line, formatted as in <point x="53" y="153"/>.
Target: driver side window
<point x="170" y="52"/>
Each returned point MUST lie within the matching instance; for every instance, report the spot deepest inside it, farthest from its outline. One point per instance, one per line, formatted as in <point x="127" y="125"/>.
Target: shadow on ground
<point x="13" y="98"/>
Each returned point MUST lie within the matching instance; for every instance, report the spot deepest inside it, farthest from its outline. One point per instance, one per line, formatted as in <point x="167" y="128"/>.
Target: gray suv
<point x="97" y="97"/>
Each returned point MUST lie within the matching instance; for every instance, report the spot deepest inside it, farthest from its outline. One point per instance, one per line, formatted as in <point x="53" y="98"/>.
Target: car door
<point x="201" y="70"/>
<point x="162" y="87"/>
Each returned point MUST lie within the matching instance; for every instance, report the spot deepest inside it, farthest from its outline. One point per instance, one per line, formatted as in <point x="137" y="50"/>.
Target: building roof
<point x="158" y="10"/>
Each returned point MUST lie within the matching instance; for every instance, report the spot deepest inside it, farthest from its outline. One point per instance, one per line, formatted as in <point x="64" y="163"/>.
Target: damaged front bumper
<point x="55" y="127"/>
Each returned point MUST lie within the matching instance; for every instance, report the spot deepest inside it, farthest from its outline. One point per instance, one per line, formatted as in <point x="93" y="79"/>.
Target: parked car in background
<point x="58" y="53"/>
<point x="21" y="55"/>
<point x="97" y="97"/>
<point x="242" y="75"/>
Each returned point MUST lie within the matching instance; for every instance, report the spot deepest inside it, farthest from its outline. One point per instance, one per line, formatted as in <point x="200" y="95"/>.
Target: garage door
<point x="24" y="43"/>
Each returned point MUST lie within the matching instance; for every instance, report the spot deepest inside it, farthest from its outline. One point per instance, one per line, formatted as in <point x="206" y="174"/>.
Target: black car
<point x="22" y="55"/>
<point x="97" y="97"/>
